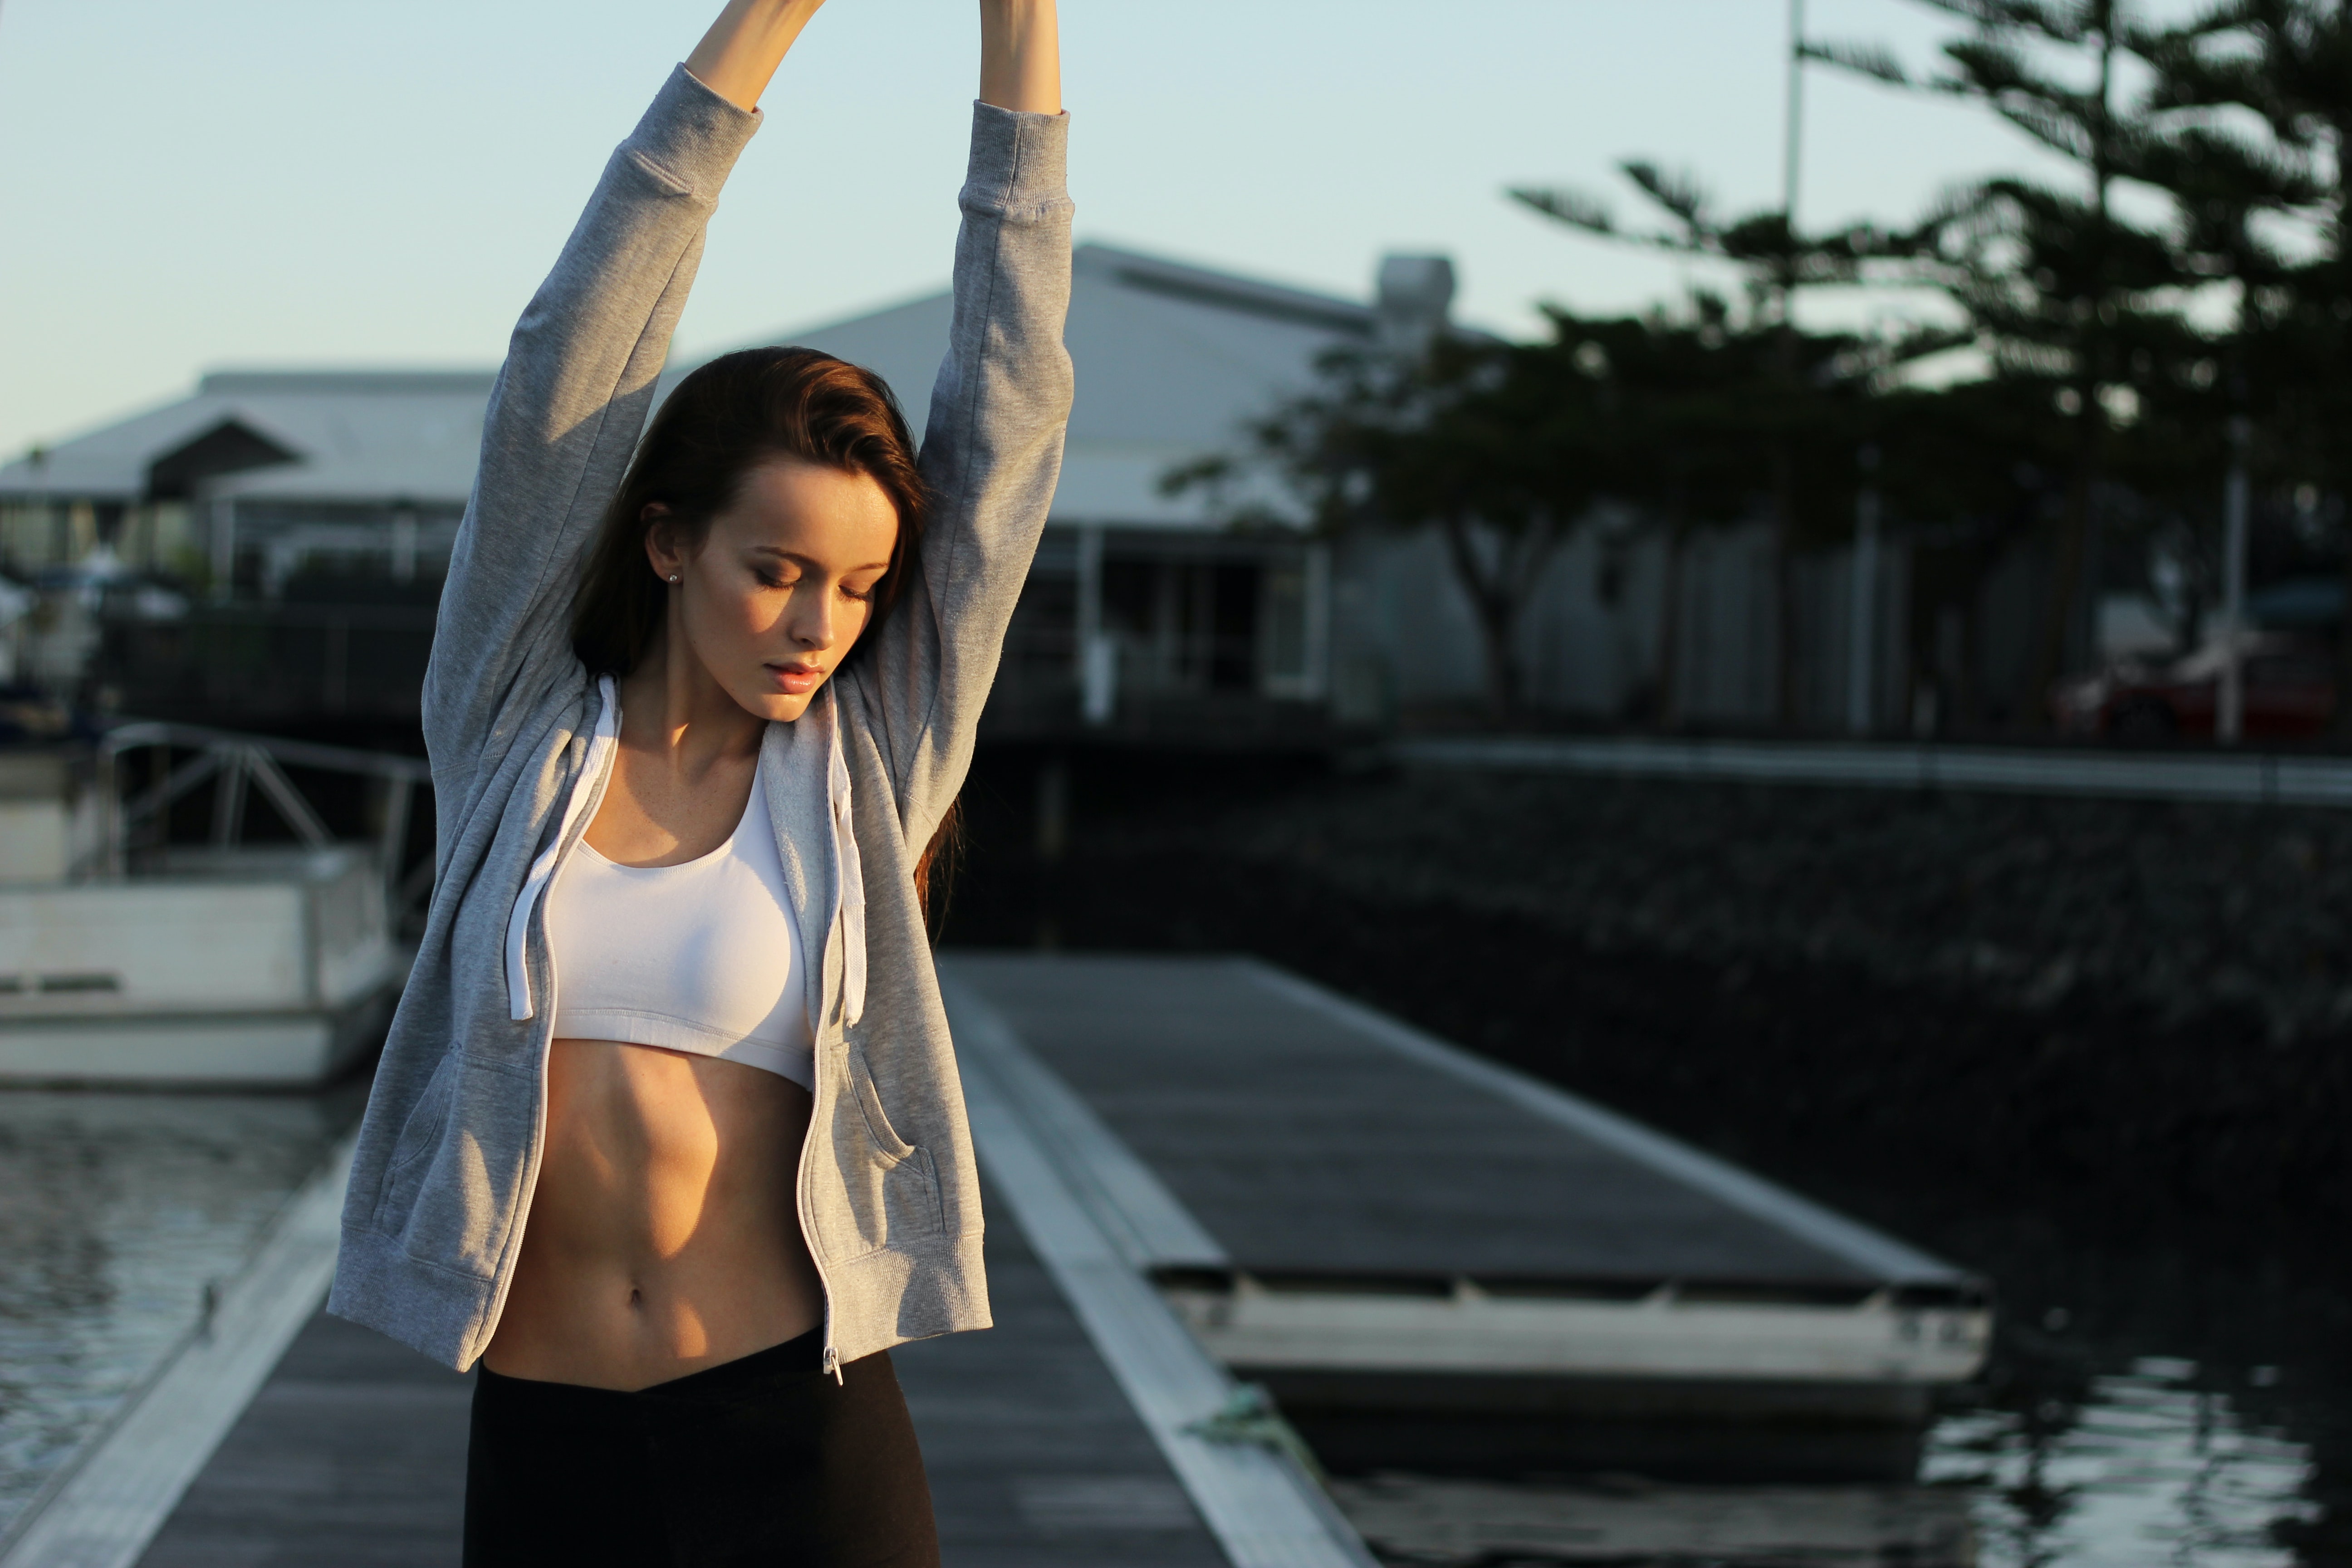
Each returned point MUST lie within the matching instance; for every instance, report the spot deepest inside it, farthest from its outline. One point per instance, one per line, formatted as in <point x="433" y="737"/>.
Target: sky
<point x="327" y="183"/>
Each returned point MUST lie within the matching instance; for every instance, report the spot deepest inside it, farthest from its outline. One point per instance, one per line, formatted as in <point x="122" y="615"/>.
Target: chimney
<point x="1414" y="293"/>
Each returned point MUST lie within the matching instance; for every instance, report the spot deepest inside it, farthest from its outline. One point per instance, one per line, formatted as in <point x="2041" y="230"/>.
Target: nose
<point x="812" y="618"/>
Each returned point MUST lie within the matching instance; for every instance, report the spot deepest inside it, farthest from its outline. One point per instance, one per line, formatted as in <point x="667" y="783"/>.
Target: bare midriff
<point x="663" y="1235"/>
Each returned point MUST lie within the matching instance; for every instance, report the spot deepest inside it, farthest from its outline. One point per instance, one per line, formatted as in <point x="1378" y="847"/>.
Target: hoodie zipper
<point x="818" y="1102"/>
<point x="808" y="1226"/>
<point x="808" y="1230"/>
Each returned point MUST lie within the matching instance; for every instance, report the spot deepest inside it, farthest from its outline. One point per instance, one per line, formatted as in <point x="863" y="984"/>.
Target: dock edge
<point x="1856" y="1243"/>
<point x="1264" y="1508"/>
<point x="106" y="1505"/>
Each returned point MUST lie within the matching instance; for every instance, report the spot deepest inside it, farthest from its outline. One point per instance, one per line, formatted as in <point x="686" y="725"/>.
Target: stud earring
<point x="672" y="576"/>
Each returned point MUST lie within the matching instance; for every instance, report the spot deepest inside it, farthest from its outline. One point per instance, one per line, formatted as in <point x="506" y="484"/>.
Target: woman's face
<point x="779" y="587"/>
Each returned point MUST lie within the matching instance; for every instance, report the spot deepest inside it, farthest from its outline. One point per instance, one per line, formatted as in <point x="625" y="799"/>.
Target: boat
<point x="130" y="959"/>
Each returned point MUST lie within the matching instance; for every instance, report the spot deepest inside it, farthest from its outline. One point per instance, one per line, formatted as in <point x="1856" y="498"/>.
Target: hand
<point x="1020" y="56"/>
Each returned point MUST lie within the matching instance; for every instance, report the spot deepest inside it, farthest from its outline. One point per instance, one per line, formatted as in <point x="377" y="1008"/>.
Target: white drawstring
<point x="542" y="870"/>
<point x="851" y="871"/>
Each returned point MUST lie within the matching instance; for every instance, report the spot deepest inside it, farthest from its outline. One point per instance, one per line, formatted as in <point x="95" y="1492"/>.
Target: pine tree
<point x="1504" y="449"/>
<point x="2288" y="65"/>
<point x="2061" y="289"/>
<point x="1779" y="261"/>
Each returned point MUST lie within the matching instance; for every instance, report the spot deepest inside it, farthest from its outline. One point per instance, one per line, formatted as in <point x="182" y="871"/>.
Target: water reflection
<point x="2144" y="1467"/>
<point x="115" y="1211"/>
<point x="2149" y="1468"/>
<point x="1454" y="1523"/>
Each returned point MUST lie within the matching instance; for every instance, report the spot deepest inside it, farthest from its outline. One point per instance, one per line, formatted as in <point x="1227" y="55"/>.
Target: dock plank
<point x="352" y="1455"/>
<point x="1231" y="1091"/>
<point x="1035" y="1459"/>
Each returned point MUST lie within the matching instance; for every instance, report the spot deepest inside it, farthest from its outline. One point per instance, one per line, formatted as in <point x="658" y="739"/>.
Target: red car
<point x="2289" y="684"/>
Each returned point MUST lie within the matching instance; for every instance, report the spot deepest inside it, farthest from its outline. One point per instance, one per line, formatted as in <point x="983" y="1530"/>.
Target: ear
<point x="662" y="552"/>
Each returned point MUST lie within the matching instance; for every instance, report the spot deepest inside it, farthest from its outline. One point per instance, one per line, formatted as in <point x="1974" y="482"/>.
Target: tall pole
<point x="1792" y="161"/>
<point x="2229" y="720"/>
<point x="1097" y="676"/>
<point x="1862" y="617"/>
<point x="1784" y="484"/>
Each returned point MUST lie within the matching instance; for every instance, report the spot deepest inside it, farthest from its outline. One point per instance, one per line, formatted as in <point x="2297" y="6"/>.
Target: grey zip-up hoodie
<point x="521" y="740"/>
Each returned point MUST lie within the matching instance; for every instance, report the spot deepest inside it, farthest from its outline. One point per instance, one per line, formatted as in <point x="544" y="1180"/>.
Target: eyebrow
<point x="799" y="560"/>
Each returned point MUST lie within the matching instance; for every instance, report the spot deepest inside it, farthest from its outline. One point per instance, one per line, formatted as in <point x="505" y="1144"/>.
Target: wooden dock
<point x="1430" y="1259"/>
<point x="353" y="1453"/>
<point x="1198" y="1171"/>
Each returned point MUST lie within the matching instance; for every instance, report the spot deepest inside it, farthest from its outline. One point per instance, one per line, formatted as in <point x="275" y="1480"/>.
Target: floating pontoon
<point x="1436" y="1262"/>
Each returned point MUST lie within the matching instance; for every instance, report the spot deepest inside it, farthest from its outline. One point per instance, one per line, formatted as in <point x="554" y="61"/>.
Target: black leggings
<point x="762" y="1460"/>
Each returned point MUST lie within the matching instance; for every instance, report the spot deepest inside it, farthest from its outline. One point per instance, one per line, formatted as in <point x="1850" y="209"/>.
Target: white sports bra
<point x="701" y="957"/>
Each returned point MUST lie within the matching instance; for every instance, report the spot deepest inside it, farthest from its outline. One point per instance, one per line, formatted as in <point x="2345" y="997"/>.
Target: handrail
<point x="230" y="761"/>
<point x="139" y="732"/>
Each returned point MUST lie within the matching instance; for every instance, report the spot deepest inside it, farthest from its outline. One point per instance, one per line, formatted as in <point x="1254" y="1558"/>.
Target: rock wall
<point x="2017" y="901"/>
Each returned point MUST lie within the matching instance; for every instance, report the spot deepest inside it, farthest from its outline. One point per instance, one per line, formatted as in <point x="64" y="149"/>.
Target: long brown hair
<point x="726" y="418"/>
<point x="718" y="424"/>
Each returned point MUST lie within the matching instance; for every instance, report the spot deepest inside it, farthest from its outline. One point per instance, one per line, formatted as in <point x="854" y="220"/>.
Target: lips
<point x="795" y="679"/>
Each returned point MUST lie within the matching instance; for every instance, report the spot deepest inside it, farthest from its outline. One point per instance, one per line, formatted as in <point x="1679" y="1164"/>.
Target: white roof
<point x="1171" y="361"/>
<point x="360" y="437"/>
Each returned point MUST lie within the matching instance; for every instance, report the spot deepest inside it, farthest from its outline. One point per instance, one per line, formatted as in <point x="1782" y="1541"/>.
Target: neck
<point x="671" y="705"/>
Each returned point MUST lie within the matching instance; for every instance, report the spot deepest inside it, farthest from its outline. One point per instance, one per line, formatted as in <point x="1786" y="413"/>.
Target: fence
<point x="272" y="663"/>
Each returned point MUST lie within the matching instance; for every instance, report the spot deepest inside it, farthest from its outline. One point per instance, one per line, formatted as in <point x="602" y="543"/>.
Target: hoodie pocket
<point x="455" y="1198"/>
<point x="420" y="1134"/>
<point x="892" y="1186"/>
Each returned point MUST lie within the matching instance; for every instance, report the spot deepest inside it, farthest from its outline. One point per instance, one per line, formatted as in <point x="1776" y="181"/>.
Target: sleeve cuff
<point x="1018" y="160"/>
<point x="693" y="134"/>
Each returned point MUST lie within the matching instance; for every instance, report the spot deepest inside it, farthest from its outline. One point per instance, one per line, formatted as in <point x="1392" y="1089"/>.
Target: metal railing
<point x="2253" y="779"/>
<point x="237" y="765"/>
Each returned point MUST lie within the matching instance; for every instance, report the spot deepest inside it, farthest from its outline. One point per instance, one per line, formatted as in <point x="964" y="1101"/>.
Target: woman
<point x="667" y="1131"/>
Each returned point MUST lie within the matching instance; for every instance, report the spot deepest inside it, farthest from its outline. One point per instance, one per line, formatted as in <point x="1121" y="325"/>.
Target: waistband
<point x="791" y="1361"/>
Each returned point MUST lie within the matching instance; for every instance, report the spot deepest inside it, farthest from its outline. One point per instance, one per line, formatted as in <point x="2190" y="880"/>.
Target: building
<point x="321" y="506"/>
<point x="258" y="476"/>
<point x="308" y="514"/>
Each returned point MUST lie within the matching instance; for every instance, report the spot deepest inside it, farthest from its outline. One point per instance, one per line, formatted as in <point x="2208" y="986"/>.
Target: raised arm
<point x="739" y="57"/>
<point x="1021" y="55"/>
<point x="577" y="384"/>
<point x="993" y="443"/>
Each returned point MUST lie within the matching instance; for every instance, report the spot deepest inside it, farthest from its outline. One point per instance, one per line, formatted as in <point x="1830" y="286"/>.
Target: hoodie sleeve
<point x="992" y="455"/>
<point x="565" y="416"/>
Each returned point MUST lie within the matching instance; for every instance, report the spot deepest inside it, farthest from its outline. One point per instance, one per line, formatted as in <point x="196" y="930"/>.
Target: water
<point x="2151" y="1467"/>
<point x="115" y="1212"/>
